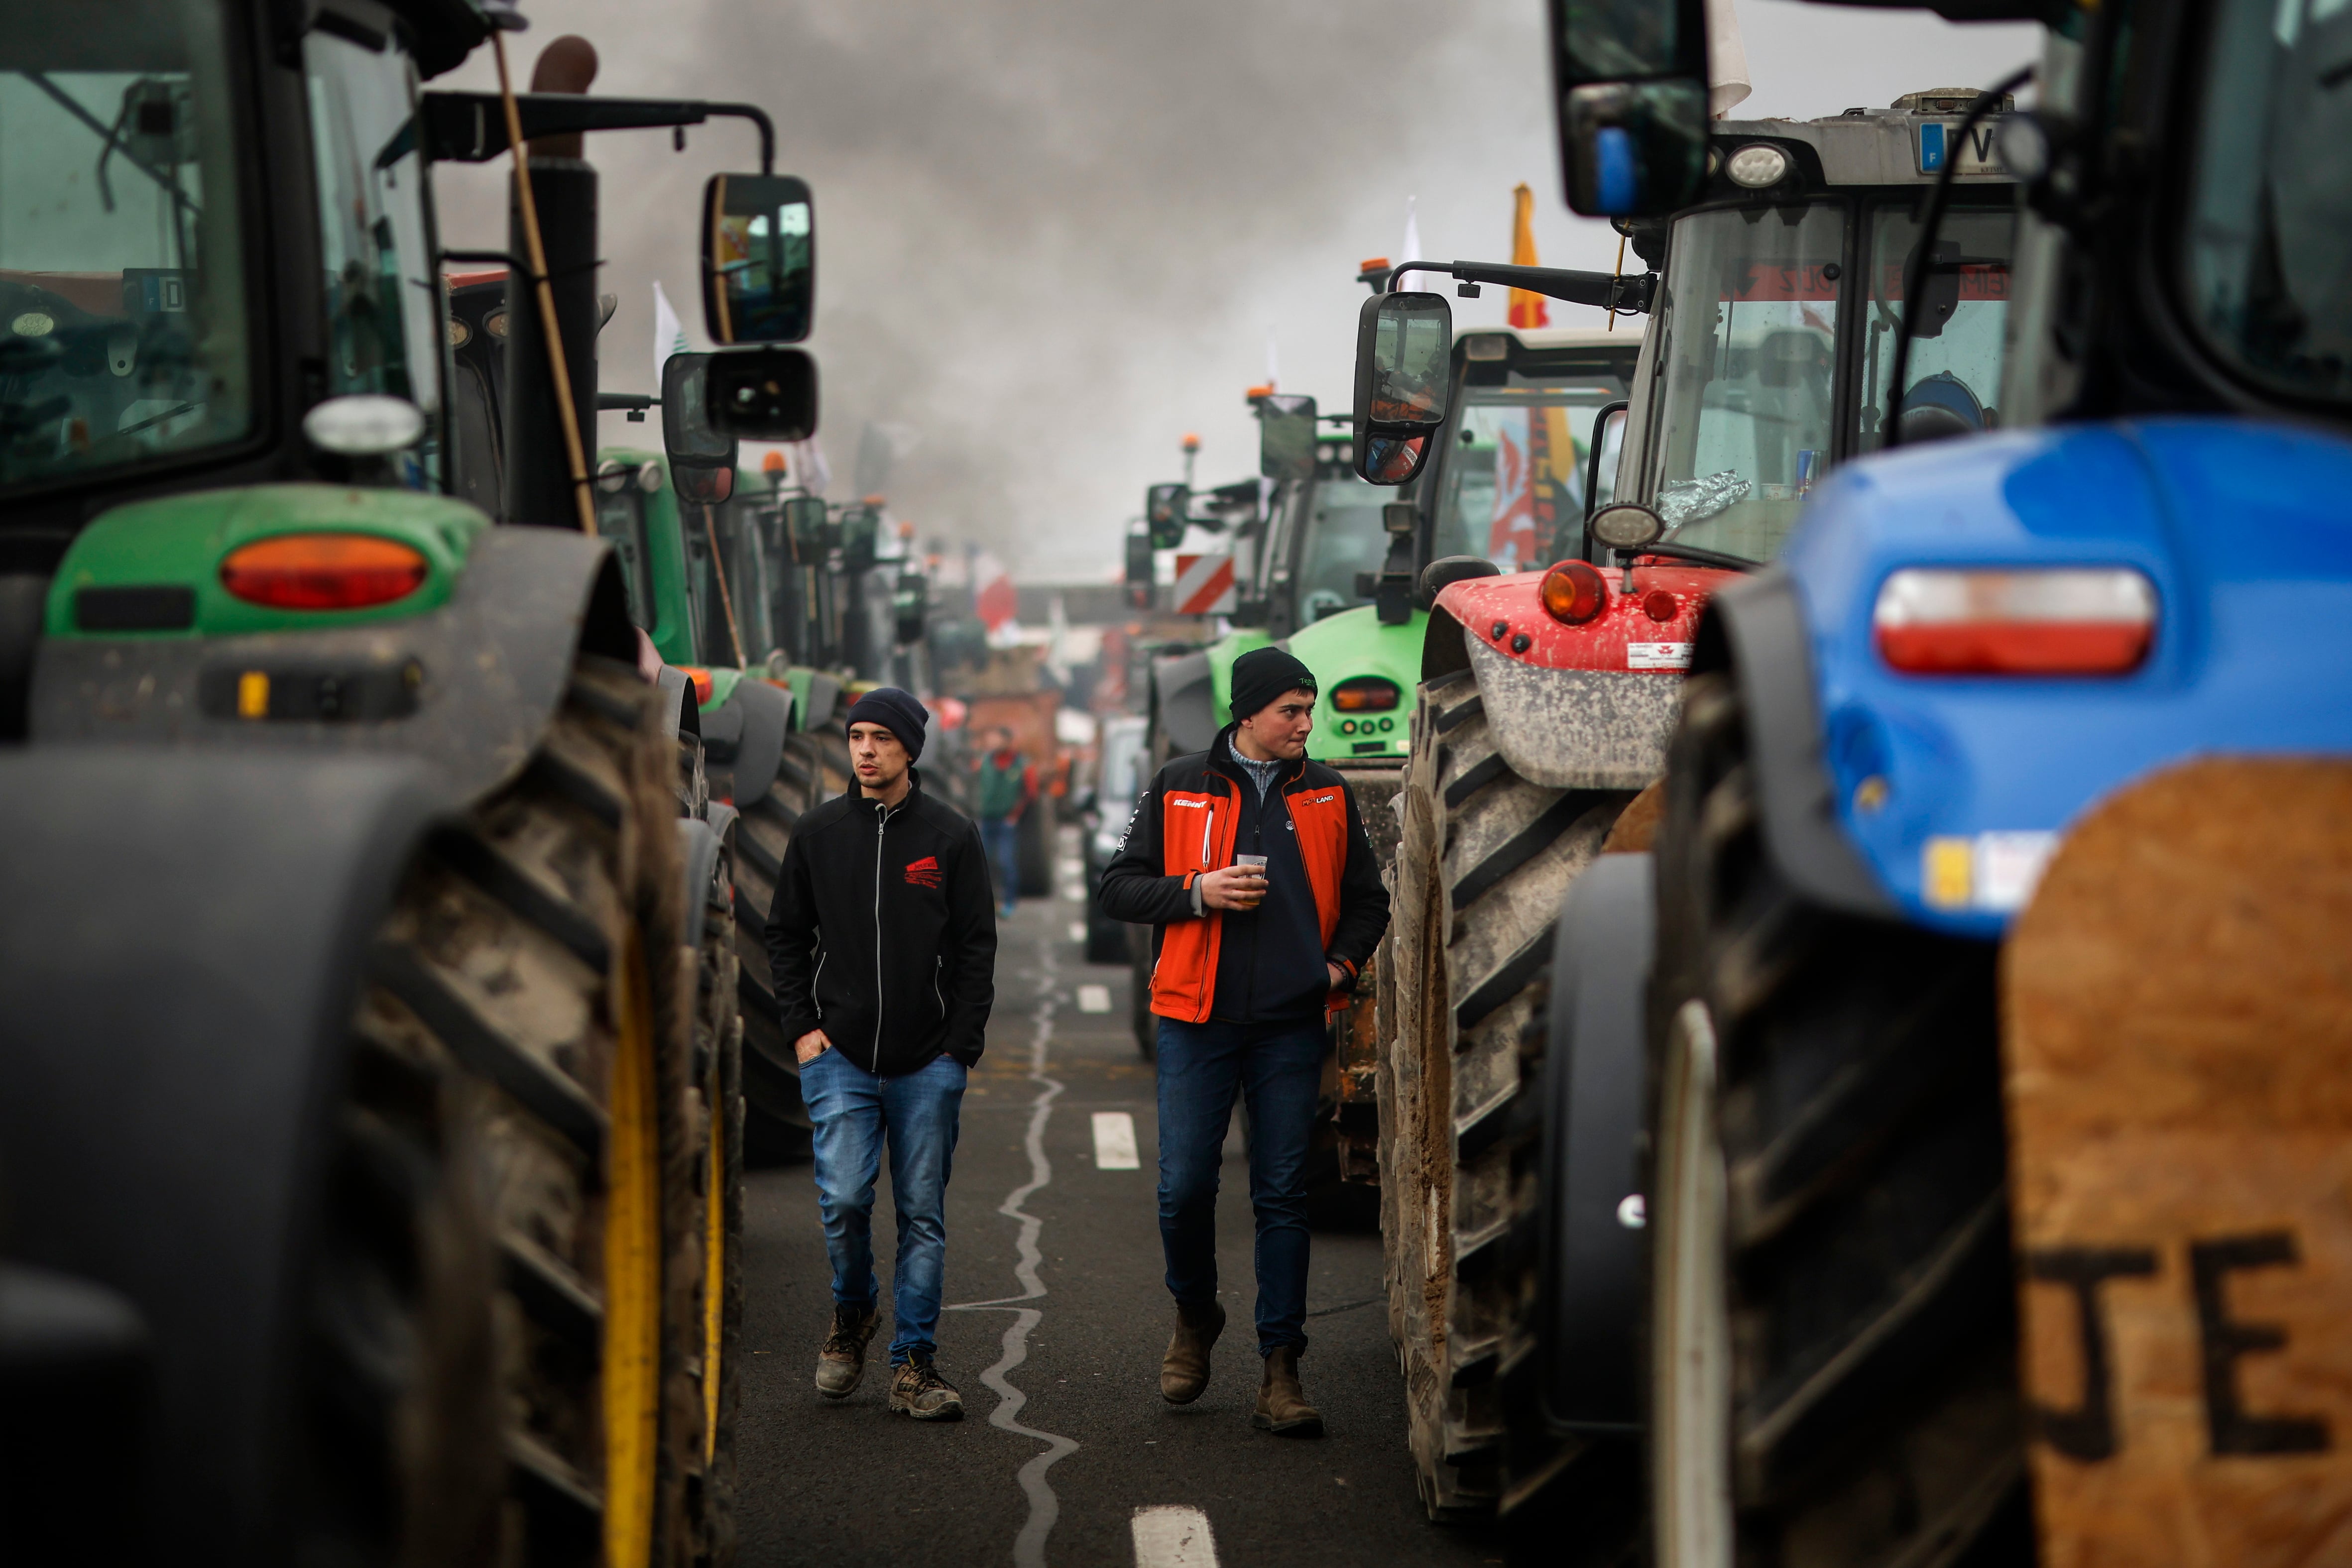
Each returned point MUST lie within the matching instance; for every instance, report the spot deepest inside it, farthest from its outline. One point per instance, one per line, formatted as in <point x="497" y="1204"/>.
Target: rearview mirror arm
<point x="470" y="127"/>
<point x="1628" y="292"/>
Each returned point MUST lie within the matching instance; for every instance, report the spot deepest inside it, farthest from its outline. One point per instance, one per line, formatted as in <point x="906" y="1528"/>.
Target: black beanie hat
<point x="896" y="711"/>
<point x="1263" y="674"/>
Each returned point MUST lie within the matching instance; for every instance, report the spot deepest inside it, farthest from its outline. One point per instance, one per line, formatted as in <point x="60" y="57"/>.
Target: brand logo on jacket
<point x="924" y="873"/>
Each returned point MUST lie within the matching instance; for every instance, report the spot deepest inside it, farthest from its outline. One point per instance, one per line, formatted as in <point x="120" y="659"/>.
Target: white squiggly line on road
<point x="1045" y="1508"/>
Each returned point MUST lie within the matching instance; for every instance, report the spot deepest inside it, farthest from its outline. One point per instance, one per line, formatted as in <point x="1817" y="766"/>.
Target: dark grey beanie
<point x="897" y="711"/>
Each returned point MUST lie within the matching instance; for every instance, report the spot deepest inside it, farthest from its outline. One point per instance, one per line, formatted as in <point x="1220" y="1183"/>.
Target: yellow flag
<point x="1527" y="310"/>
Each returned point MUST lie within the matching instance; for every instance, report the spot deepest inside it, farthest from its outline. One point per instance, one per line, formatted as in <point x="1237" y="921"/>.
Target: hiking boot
<point x="918" y="1389"/>
<point x="1185" y="1370"/>
<point x="1282" y="1406"/>
<point x="841" y="1365"/>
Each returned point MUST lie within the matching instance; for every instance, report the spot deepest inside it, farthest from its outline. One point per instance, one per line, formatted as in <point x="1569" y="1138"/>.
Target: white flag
<point x="1273" y="361"/>
<point x="1411" y="251"/>
<point x="669" y="335"/>
<point x="1727" y="59"/>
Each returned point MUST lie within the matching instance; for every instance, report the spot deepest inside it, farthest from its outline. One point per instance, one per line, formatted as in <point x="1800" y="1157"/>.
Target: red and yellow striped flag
<point x="1527" y="310"/>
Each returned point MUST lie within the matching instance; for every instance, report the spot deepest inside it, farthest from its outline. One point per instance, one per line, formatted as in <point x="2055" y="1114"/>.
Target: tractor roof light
<point x="1757" y="166"/>
<point x="2026" y="621"/>
<point x="323" y="572"/>
<point x="1574" y="592"/>
<point x="1366" y="694"/>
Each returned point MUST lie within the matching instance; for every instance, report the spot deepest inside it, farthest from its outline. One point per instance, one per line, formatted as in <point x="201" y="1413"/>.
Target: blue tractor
<point x="1919" y="1095"/>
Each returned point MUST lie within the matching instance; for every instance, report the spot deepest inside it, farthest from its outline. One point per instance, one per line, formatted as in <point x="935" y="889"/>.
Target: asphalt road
<point x="1056" y="1473"/>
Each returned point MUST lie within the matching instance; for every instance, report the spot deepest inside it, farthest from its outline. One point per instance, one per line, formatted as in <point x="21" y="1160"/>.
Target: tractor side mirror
<point x="1164" y="506"/>
<point x="1629" y="91"/>
<point x="1286" y="437"/>
<point x="701" y="455"/>
<point x="861" y="528"/>
<point x="910" y="599"/>
<point x="1140" y="570"/>
<point x="767" y="393"/>
<point x="759" y="258"/>
<point x="1403" y="343"/>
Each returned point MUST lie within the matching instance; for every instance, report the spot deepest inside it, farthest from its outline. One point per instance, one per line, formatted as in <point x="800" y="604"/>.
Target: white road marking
<point x="1077" y="930"/>
<point x="1115" y="1142"/>
<point x="1094" y="998"/>
<point x="1045" y="1508"/>
<point x="1172" y="1537"/>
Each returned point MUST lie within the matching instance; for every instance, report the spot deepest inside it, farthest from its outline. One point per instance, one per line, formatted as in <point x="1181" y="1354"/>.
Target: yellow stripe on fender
<point x="714" y="1264"/>
<point x="633" y="1272"/>
<point x="2177" y="1023"/>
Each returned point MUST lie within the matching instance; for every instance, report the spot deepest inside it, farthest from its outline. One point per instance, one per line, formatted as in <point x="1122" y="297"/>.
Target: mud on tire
<point x="513" y="1242"/>
<point x="1484" y="861"/>
<point x="1828" y="1220"/>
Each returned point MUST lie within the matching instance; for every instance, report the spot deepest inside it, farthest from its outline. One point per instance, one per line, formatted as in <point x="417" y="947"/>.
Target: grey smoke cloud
<point x="1054" y="236"/>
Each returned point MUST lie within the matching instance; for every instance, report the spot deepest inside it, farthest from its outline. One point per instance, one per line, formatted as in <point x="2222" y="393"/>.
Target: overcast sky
<point x="1054" y="237"/>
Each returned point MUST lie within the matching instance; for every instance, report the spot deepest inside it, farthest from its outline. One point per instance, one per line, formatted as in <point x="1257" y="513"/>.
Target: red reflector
<point x="323" y="572"/>
<point x="2063" y="621"/>
<point x="1660" y="605"/>
<point x="1574" y="592"/>
<point x="1365" y="693"/>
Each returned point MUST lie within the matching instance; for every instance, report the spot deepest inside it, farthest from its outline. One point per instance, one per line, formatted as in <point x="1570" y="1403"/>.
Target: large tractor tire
<point x="1485" y="859"/>
<point x="778" y="1126"/>
<point x="1140" y="1017"/>
<point x="1834" y="1366"/>
<point x="1036" y="840"/>
<point x="514" y="1260"/>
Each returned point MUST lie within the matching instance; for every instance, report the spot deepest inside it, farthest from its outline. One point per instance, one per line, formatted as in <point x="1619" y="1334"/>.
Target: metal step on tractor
<point x="1940" y="1155"/>
<point x="367" y="1104"/>
<point x="1548" y="696"/>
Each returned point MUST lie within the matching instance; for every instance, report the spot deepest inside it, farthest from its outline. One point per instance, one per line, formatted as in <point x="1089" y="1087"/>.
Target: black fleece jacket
<point x="883" y="932"/>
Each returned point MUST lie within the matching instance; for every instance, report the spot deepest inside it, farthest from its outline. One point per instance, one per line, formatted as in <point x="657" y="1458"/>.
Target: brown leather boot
<point x="1282" y="1406"/>
<point x="1185" y="1370"/>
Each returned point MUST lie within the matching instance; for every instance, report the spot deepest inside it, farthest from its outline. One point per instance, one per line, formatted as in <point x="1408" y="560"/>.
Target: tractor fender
<point x="701" y="843"/>
<point x="1591" y="1278"/>
<point x="823" y="696"/>
<point x="1186" y="701"/>
<point x="747" y="733"/>
<point x="486" y="671"/>
<point x="1756" y="629"/>
<point x="182" y="938"/>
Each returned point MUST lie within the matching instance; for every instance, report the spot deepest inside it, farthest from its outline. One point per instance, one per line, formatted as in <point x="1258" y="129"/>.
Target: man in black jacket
<point x="1253" y="866"/>
<point x="883" y="942"/>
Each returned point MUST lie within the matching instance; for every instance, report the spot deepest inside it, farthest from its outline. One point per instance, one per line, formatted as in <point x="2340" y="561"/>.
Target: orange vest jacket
<point x="1184" y="826"/>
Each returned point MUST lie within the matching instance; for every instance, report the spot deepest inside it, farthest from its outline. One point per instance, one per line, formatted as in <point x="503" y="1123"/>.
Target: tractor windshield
<point x="123" y="334"/>
<point x="2269" y="274"/>
<point x="1745" y="409"/>
<point x="1343" y="537"/>
<point x="621" y="518"/>
<point x="1953" y="379"/>
<point x="1514" y="477"/>
<point x="384" y="326"/>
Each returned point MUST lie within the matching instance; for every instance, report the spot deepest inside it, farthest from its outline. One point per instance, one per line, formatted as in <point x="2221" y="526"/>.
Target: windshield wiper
<point x="114" y="144"/>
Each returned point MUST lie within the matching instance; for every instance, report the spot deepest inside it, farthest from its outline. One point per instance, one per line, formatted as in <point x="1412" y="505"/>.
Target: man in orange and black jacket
<point x="1249" y="963"/>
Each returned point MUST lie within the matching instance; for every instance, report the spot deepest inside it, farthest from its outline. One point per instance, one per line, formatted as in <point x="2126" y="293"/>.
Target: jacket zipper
<point x="881" y="826"/>
<point x="1208" y="821"/>
<point x="938" y="968"/>
<point x="815" y="1000"/>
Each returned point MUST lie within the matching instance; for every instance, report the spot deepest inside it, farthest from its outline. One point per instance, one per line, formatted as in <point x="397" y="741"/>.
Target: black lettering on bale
<point x="2086" y="1432"/>
<point x="2225" y="1338"/>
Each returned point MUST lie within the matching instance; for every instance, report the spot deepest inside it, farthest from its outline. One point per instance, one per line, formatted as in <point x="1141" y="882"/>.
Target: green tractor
<point x="358" y="1061"/>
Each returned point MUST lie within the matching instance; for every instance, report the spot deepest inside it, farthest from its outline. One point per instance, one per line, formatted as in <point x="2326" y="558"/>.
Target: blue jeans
<point x="850" y="1110"/>
<point x="1279" y="1067"/>
<point x="1001" y="836"/>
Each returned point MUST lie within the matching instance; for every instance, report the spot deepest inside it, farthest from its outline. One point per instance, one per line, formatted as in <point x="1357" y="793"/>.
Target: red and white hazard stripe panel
<point x="1204" y="584"/>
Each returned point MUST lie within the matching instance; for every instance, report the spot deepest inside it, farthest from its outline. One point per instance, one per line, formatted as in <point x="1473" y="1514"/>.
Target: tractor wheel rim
<point x="1692" y="1463"/>
<point x="633" y="1271"/>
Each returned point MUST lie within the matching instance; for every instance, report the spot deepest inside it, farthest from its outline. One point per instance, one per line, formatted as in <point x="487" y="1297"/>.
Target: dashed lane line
<point x="1115" y="1142"/>
<point x="1173" y="1537"/>
<point x="1045" y="1508"/>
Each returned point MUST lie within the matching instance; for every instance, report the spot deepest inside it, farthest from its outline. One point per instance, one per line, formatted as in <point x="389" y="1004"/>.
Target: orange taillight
<point x="701" y="679"/>
<point x="1574" y="591"/>
<point x="324" y="572"/>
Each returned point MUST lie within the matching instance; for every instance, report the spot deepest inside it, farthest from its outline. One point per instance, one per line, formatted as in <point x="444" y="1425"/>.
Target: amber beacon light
<point x="323" y="572"/>
<point x="2065" y="621"/>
